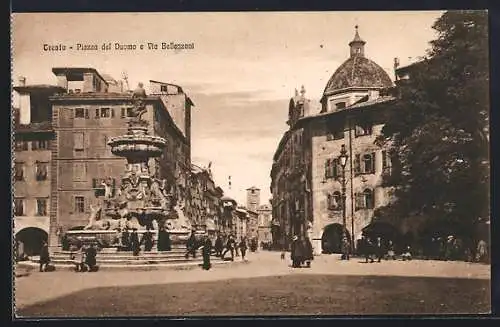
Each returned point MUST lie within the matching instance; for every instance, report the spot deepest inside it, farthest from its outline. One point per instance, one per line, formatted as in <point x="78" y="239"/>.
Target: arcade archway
<point x="29" y="241"/>
<point x="331" y="240"/>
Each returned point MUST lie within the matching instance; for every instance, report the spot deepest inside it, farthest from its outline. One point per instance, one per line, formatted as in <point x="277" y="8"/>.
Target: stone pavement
<point x="40" y="287"/>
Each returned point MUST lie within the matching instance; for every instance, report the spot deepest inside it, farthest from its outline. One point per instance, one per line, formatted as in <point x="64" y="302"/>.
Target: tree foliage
<point x="439" y="128"/>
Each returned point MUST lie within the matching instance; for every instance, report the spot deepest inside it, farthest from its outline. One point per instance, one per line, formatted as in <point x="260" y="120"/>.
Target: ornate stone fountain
<point x="142" y="201"/>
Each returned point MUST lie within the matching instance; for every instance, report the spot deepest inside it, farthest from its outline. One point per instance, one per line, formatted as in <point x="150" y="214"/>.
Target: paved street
<point x="264" y="285"/>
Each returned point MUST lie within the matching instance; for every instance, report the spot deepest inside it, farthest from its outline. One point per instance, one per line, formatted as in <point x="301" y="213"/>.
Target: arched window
<point x="369" y="198"/>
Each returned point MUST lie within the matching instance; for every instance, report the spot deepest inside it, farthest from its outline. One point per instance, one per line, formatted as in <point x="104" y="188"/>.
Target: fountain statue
<point x="142" y="200"/>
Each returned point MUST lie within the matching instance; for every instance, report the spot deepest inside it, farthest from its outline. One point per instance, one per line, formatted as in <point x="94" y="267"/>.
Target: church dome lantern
<point x="357" y="71"/>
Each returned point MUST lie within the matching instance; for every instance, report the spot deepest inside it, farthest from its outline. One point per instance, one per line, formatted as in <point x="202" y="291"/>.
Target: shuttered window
<point x="78" y="141"/>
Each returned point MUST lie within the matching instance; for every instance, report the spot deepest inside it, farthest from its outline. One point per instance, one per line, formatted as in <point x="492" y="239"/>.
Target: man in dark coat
<point x="191" y="246"/>
<point x="229" y="247"/>
<point x="44" y="257"/>
<point x="219" y="246"/>
<point x="207" y="250"/>
<point x="134" y="242"/>
<point x="126" y="239"/>
<point x="90" y="258"/>
<point x="297" y="253"/>
<point x="147" y="240"/>
<point x="243" y="247"/>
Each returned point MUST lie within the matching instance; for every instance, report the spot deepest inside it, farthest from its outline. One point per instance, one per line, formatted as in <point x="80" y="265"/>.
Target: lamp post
<point x="343" y="161"/>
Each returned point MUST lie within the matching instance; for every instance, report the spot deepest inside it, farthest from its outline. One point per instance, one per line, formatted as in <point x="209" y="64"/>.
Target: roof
<point x="226" y="198"/>
<point x="76" y="70"/>
<point x="357" y="38"/>
<point x="354" y="108"/>
<point x="357" y="71"/>
<point x="179" y="88"/>
<point x="108" y="78"/>
<point x="39" y="87"/>
<point x="253" y="188"/>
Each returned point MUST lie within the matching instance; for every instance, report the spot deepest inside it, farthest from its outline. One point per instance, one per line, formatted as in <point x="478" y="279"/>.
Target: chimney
<point x="22" y="81"/>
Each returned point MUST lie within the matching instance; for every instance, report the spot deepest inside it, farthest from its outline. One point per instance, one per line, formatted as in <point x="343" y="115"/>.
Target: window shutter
<point x="94" y="183"/>
<point x="384" y="160"/>
<point x="327" y="168"/>
<point x="372" y="170"/>
<point x="86" y="114"/>
<point x="97" y="113"/>
<point x="112" y="112"/>
<point x="357" y="164"/>
<point x="124" y="113"/>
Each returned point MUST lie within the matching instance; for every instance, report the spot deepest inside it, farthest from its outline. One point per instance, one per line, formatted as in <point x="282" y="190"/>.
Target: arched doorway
<point x="29" y="241"/>
<point x="331" y="240"/>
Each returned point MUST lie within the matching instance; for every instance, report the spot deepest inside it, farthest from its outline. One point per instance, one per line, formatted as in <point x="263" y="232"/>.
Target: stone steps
<point x="134" y="261"/>
<point x="140" y="267"/>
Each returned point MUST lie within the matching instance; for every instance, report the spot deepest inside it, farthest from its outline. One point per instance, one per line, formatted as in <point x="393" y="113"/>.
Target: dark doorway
<point x="331" y="240"/>
<point x="30" y="240"/>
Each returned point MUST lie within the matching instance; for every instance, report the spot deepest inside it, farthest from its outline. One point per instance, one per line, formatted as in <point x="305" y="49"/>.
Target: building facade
<point x="204" y="201"/>
<point x="264" y="224"/>
<point x="85" y="113"/>
<point x="307" y="176"/>
<point x="33" y="139"/>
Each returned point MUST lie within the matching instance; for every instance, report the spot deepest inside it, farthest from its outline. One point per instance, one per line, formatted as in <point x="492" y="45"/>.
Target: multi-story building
<point x="306" y="174"/>
<point x="90" y="111"/>
<point x="264" y="223"/>
<point x="204" y="200"/>
<point x="289" y="204"/>
<point x="33" y="140"/>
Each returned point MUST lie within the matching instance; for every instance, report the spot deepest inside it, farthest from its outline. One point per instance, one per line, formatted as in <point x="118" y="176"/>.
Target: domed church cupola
<point x="357" y="45"/>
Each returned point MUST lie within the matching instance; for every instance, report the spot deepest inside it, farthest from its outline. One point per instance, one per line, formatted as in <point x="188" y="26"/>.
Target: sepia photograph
<point x="250" y="164"/>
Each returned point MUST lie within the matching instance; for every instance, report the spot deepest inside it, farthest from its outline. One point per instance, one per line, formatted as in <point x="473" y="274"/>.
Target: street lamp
<point x="343" y="161"/>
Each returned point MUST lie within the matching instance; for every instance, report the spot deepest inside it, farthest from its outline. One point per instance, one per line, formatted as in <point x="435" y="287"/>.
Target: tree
<point x="439" y="128"/>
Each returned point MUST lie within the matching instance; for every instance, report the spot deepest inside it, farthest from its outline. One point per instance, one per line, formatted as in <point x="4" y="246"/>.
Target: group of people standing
<point x="85" y="259"/>
<point x="376" y="248"/>
<point x="220" y="247"/>
<point x="129" y="241"/>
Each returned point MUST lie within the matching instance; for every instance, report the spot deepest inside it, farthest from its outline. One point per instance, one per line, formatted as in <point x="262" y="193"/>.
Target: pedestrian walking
<point x="243" y="247"/>
<point x="147" y="240"/>
<point x="230" y="244"/>
<point x="206" y="251"/>
<point x="219" y="246"/>
<point x="297" y="253"/>
<point x="379" y="249"/>
<point x="90" y="258"/>
<point x="406" y="255"/>
<point x="368" y="249"/>
<point x="390" y="251"/>
<point x="191" y="246"/>
<point x="44" y="257"/>
<point x="126" y="239"/>
<point x="308" y="249"/>
<point x="134" y="242"/>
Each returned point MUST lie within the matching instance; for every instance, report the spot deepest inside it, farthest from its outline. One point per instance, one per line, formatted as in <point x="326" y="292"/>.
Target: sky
<point x="240" y="75"/>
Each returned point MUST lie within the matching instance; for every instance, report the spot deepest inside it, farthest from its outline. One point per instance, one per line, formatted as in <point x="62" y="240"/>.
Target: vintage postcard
<point x="250" y="163"/>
